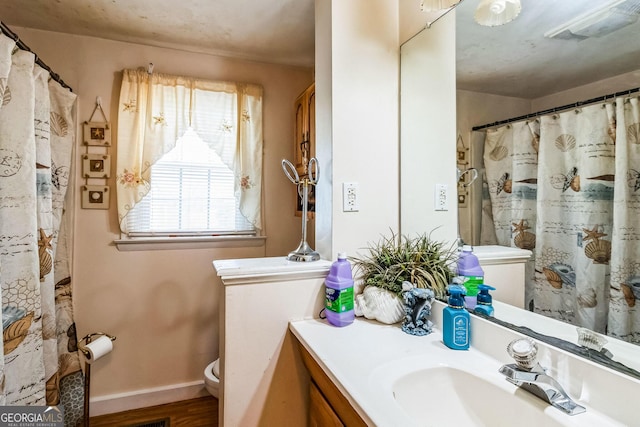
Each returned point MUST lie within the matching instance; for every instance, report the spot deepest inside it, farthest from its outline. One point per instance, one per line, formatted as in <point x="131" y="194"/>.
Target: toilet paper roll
<point x="98" y="348"/>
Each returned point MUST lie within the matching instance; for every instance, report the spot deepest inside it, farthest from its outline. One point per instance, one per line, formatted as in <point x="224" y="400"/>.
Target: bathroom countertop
<point x="339" y="352"/>
<point x="365" y="359"/>
<point x="266" y="269"/>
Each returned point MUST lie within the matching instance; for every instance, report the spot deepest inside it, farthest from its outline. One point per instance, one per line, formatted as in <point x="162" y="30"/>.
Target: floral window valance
<point x="155" y="110"/>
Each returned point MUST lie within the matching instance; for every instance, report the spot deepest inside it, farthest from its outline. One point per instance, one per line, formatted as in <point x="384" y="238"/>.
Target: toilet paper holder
<point x="89" y="337"/>
<point x="87" y="370"/>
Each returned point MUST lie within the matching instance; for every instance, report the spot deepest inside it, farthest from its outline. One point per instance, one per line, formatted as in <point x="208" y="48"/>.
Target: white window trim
<point x="126" y="243"/>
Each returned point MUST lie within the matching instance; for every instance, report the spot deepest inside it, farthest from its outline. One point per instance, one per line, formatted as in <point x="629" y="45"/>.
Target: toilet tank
<point x="504" y="269"/>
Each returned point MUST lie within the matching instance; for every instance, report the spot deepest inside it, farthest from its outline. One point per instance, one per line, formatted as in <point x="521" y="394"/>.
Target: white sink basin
<point x="451" y="394"/>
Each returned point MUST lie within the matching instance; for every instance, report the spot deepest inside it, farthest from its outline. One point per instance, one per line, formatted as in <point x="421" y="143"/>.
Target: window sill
<point x="192" y="242"/>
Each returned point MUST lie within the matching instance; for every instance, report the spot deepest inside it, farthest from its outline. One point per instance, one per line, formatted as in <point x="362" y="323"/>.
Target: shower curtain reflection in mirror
<point x="567" y="187"/>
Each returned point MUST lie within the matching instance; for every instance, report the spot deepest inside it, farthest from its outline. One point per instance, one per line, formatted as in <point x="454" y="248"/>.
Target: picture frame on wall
<point x="96" y="165"/>
<point x="97" y="133"/>
<point x="95" y="197"/>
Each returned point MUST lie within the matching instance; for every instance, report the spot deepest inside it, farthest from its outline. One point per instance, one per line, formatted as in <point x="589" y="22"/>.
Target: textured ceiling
<point x="278" y="31"/>
<point x="513" y="60"/>
<point x="516" y="59"/>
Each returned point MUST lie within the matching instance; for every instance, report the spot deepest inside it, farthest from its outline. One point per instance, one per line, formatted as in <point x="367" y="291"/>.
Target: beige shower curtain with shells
<point x="570" y="192"/>
<point x="37" y="136"/>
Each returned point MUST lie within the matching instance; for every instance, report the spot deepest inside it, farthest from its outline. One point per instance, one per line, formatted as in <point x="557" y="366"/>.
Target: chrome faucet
<point x="527" y="374"/>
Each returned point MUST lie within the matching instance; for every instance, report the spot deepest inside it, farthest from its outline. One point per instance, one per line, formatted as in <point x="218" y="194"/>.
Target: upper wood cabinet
<point x="304" y="141"/>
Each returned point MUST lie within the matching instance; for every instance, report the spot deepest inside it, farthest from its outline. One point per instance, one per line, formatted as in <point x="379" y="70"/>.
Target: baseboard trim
<point x="119" y="402"/>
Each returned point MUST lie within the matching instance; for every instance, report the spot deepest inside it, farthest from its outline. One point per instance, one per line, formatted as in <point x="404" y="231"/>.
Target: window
<point x="189" y="156"/>
<point x="192" y="193"/>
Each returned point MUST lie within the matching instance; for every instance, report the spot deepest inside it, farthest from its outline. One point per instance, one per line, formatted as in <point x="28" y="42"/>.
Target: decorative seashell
<point x="379" y="304"/>
<point x="45" y="262"/>
<point x="565" y="142"/>
<point x="575" y="183"/>
<point x="59" y="125"/>
<point x="52" y="388"/>
<point x="629" y="297"/>
<point x="566" y="273"/>
<point x="525" y="240"/>
<point x="633" y="133"/>
<point x="535" y="142"/>
<point x="508" y="186"/>
<point x="634" y="283"/>
<point x="588" y="299"/>
<point x="498" y="153"/>
<point x="611" y="130"/>
<point x="10" y="314"/>
<point x="6" y="96"/>
<point x="599" y="251"/>
<point x="553" y="278"/>
<point x="16" y="333"/>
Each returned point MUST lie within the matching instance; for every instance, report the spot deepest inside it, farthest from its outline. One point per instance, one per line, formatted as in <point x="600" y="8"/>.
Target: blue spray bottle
<point x="456" y="330"/>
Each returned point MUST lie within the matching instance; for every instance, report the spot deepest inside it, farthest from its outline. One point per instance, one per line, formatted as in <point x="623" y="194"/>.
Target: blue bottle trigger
<point x="456" y="293"/>
<point x="483" y="296"/>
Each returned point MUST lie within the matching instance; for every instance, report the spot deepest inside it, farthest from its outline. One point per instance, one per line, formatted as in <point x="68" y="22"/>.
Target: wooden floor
<point x="201" y="412"/>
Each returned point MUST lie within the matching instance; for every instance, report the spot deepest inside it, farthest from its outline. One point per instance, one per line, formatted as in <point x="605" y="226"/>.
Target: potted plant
<point x="420" y="260"/>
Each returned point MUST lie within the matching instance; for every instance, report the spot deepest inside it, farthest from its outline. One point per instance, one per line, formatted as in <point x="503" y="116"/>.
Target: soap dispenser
<point x="485" y="302"/>
<point x="455" y="320"/>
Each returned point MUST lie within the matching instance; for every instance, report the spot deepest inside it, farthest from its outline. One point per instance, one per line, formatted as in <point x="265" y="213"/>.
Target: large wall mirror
<point x="553" y="54"/>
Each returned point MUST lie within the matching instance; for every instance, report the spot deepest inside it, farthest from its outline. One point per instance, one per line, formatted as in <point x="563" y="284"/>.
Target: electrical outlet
<point x="350" y="202"/>
<point x="441" y="198"/>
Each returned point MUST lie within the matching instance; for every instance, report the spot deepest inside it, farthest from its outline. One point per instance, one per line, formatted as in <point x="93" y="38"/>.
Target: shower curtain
<point x="39" y="364"/>
<point x="567" y="187"/>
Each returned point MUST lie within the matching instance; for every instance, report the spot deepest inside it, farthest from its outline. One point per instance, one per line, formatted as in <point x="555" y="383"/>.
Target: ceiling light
<point x="491" y="13"/>
<point x="598" y="22"/>
<point x="435" y="5"/>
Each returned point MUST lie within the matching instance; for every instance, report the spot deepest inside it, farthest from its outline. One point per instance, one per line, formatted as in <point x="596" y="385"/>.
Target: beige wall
<point x="428" y="131"/>
<point x="162" y="305"/>
<point x="357" y="77"/>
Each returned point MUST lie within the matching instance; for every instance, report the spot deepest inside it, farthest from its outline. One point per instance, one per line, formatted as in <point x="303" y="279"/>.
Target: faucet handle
<point x="524" y="351"/>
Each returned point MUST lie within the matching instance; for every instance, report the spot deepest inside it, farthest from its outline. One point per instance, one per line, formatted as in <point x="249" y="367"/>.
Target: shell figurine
<point x="379" y="304"/>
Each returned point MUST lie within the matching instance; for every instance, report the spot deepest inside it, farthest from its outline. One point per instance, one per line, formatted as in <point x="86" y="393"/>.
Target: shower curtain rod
<point x="556" y="109"/>
<point x="7" y="31"/>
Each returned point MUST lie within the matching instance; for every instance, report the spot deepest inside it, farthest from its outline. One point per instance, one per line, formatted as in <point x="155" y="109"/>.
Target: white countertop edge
<point x="329" y="372"/>
<point x="268" y="269"/>
<point x="495" y="254"/>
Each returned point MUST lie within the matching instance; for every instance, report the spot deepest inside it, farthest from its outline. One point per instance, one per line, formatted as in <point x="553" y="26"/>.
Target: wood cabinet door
<point x="321" y="414"/>
<point x="304" y="132"/>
